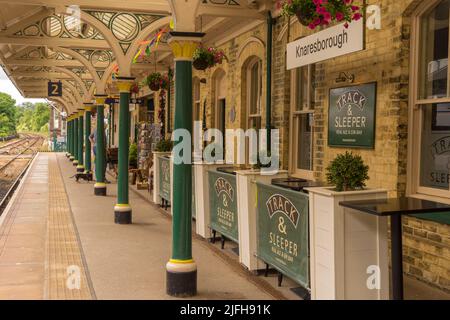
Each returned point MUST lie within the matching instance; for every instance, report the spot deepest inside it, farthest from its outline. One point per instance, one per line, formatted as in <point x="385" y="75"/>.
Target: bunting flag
<point x="146" y="46"/>
<point x="115" y="72"/>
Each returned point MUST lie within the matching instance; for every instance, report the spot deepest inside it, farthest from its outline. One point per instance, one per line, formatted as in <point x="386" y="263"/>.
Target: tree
<point x="33" y="117"/>
<point x="8" y="117"/>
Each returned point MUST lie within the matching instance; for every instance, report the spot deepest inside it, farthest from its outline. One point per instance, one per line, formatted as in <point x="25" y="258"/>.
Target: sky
<point x="8" y="87"/>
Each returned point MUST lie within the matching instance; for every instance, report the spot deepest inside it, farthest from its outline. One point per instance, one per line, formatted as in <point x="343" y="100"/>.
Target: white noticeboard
<point x="329" y="43"/>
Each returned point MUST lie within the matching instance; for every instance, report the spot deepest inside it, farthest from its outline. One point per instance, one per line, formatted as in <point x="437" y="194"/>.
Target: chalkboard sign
<point x="351" y="116"/>
<point x="283" y="218"/>
<point x="223" y="204"/>
<point x="164" y="178"/>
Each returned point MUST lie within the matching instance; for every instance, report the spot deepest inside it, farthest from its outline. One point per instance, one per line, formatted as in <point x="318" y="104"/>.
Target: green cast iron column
<point x="182" y="269"/>
<point x="75" y="140"/>
<point x="72" y="154"/>
<point x="100" y="185"/>
<point x="68" y="125"/>
<point x="87" y="141"/>
<point x="182" y="173"/>
<point x="80" y="167"/>
<point x="122" y="210"/>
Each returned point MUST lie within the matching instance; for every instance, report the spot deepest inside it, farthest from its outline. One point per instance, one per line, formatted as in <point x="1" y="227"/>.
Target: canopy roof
<point x="42" y="41"/>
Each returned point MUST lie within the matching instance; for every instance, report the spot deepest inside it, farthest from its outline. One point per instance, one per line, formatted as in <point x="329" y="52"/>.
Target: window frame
<point x="294" y="116"/>
<point x="416" y="110"/>
<point x="254" y="116"/>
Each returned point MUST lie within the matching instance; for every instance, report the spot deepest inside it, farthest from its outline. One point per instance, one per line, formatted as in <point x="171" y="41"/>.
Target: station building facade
<point x="406" y="57"/>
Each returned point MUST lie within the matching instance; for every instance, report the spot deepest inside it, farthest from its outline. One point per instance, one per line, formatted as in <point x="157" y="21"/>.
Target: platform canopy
<point x="42" y="41"/>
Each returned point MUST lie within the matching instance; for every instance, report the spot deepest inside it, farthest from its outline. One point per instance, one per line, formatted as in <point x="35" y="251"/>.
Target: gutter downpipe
<point x="269" y="80"/>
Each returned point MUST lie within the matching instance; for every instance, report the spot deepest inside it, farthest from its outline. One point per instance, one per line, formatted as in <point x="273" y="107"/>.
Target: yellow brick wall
<point x="386" y="61"/>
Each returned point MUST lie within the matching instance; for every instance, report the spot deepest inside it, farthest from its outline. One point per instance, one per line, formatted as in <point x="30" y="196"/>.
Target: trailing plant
<point x="207" y="57"/>
<point x="135" y="88"/>
<point x="164" y="146"/>
<point x="347" y="172"/>
<point x="314" y="13"/>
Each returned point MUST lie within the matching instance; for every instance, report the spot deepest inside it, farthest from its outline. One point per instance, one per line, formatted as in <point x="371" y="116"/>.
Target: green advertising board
<point x="223" y="204"/>
<point x="164" y="178"/>
<point x="283" y="239"/>
<point x="351" y="116"/>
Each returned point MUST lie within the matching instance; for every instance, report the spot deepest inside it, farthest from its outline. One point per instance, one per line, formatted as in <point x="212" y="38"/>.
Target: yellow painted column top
<point x="88" y="106"/>
<point x="184" y="48"/>
<point x="124" y="84"/>
<point x="100" y="99"/>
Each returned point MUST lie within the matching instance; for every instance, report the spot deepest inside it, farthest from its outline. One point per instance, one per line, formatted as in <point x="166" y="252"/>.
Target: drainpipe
<point x="169" y="129"/>
<point x="269" y="79"/>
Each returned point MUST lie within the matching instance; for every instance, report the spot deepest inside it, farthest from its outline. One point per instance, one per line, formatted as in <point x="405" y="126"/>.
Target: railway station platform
<point x="59" y="241"/>
<point x="55" y="230"/>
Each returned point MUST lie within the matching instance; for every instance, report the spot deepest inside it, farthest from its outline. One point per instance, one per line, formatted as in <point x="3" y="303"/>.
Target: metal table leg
<point x="397" y="257"/>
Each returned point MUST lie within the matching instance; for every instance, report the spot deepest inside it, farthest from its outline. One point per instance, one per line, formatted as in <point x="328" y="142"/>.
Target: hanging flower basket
<point x="205" y="58"/>
<point x="154" y="81"/>
<point x="305" y="16"/>
<point x="200" y="64"/>
<point x="154" y="86"/>
<point x="314" y="13"/>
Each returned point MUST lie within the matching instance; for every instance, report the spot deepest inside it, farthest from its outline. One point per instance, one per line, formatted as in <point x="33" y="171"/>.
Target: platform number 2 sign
<point x="54" y="89"/>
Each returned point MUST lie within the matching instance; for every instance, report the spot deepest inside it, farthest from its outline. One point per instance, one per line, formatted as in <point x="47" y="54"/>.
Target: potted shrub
<point x="314" y="13"/>
<point x="352" y="241"/>
<point x="133" y="154"/>
<point x="348" y="172"/>
<point x="164" y="146"/>
<point x="205" y="58"/>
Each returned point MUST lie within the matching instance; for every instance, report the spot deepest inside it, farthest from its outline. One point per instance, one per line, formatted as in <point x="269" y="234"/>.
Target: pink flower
<point x="321" y="10"/>
<point x="312" y="26"/>
<point x="357" y="16"/>
<point x="317" y="2"/>
<point x="339" y="16"/>
<point x="354" y="8"/>
<point x="346" y="25"/>
<point x="317" y="21"/>
<point x="327" y="16"/>
<point x="348" y="1"/>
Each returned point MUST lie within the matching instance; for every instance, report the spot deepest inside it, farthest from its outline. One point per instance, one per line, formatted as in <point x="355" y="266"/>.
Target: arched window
<point x="429" y="139"/>
<point x="254" y="93"/>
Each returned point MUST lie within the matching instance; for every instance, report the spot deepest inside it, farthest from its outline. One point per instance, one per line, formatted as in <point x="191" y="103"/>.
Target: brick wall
<point x="386" y="61"/>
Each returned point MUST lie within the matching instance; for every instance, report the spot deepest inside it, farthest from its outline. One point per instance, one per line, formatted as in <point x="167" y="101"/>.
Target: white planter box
<point x="156" y="192"/>
<point x="247" y="212"/>
<point x="344" y="244"/>
<point x="202" y="210"/>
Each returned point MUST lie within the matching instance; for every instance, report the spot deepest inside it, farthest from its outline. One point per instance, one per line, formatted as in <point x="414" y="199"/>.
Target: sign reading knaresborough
<point x="223" y="204"/>
<point x="329" y="43"/>
<point x="283" y="231"/>
<point x="351" y="116"/>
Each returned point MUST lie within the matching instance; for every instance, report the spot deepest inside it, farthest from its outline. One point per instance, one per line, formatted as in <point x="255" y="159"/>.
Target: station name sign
<point x="329" y="43"/>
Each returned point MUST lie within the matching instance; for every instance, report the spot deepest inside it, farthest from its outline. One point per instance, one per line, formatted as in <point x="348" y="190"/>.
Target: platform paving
<point x="56" y="232"/>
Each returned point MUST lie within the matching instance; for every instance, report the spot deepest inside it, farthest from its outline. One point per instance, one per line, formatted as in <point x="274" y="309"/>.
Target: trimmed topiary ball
<point x="348" y="172"/>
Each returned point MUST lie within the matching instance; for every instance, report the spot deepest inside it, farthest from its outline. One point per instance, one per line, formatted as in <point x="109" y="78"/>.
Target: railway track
<point x="16" y="160"/>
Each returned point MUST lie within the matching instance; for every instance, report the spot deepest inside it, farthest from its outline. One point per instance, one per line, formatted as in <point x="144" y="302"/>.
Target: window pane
<point x="255" y="84"/>
<point x="434" y="52"/>
<point x="302" y="89"/>
<point x="304" y="140"/>
<point x="435" y="146"/>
